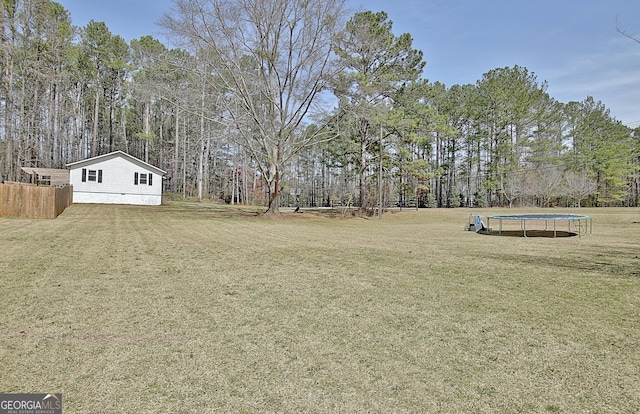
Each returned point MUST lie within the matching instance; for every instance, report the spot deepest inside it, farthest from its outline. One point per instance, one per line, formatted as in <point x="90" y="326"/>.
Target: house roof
<point x="115" y="154"/>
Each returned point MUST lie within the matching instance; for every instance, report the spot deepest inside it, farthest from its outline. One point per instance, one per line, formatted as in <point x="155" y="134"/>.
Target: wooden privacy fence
<point x="32" y="201"/>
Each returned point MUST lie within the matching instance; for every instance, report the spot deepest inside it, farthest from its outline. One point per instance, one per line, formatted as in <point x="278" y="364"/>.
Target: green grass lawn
<point x="189" y="308"/>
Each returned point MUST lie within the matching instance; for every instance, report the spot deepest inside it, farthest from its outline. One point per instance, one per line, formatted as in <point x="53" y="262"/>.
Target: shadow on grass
<point x="530" y="233"/>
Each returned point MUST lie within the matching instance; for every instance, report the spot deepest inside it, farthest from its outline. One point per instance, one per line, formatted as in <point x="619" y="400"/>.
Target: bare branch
<point x="625" y="33"/>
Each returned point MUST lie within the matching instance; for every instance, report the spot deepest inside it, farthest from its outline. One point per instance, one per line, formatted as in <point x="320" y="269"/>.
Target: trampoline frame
<point x="581" y="222"/>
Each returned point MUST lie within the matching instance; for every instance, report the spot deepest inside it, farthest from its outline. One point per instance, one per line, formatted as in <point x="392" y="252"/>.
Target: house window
<point x="142" y="179"/>
<point x="91" y="175"/>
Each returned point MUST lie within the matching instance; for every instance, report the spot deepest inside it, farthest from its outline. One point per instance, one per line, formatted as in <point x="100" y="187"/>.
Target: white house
<point x="116" y="178"/>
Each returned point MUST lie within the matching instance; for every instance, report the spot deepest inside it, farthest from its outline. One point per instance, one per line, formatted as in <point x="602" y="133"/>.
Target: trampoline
<point x="576" y="223"/>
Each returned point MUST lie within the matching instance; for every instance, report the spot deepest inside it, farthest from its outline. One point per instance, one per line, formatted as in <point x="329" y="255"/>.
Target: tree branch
<point x="625" y="33"/>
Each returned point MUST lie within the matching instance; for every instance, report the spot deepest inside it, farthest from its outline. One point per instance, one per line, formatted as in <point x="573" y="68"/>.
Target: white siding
<point x="117" y="186"/>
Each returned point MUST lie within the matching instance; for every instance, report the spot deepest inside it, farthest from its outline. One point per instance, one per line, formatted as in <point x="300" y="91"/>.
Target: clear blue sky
<point x="571" y="44"/>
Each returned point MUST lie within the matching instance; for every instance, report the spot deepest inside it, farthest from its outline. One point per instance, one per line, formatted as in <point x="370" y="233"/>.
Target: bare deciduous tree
<point x="547" y="183"/>
<point x="513" y="185"/>
<point x="579" y="185"/>
<point x="273" y="58"/>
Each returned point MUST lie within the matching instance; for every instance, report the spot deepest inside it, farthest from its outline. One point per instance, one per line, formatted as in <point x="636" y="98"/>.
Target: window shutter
<point x="84" y="175"/>
<point x="99" y="176"/>
<point x="150" y="175"/>
<point x="135" y="178"/>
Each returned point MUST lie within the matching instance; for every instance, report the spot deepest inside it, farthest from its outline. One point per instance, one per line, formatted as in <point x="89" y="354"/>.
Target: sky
<point x="572" y="45"/>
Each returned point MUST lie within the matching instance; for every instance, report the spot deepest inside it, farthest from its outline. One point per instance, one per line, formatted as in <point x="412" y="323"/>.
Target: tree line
<point x="298" y="103"/>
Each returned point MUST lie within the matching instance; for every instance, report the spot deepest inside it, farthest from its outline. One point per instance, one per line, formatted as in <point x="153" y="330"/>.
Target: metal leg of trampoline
<point x="499" y="226"/>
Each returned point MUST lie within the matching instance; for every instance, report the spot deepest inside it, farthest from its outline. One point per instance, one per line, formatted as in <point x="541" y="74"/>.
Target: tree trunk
<point x="273" y="184"/>
<point x="8" y="120"/>
<point x="96" y="111"/>
<point x="112" y="126"/>
<point x="200" y="169"/>
<point x="176" y="151"/>
<point x="363" y="166"/>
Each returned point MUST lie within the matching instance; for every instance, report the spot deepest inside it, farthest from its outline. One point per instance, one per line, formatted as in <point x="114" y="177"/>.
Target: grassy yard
<point x="189" y="308"/>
